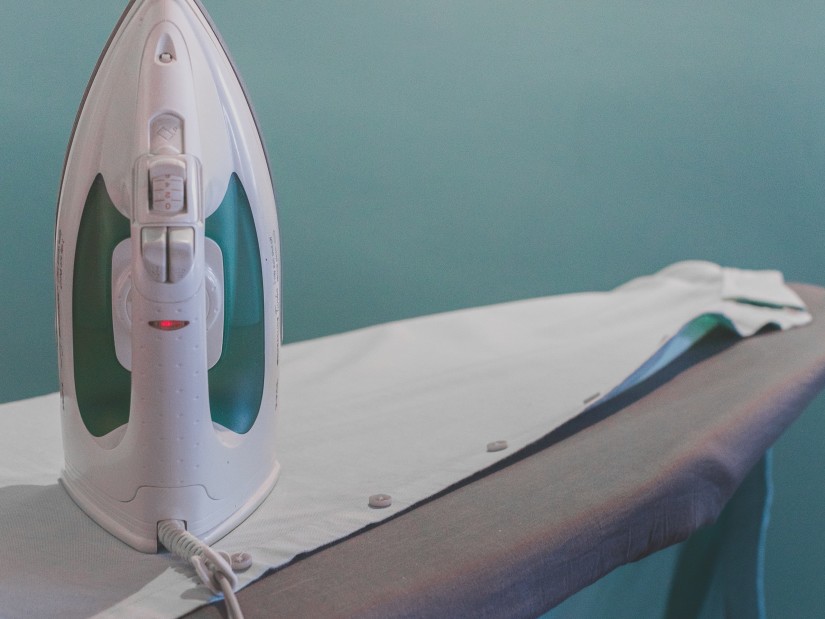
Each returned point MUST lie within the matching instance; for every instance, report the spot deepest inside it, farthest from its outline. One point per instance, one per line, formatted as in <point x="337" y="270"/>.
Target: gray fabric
<point x="720" y="568"/>
<point x="627" y="479"/>
<point x="716" y="573"/>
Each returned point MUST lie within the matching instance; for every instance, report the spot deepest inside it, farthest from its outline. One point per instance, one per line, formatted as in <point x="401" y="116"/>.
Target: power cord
<point x="216" y="569"/>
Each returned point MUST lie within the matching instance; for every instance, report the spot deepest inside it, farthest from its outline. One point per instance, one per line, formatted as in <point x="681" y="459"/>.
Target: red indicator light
<point x="168" y="325"/>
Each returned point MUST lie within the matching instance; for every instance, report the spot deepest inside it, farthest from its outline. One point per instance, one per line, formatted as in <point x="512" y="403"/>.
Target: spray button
<point x="153" y="252"/>
<point x="181" y="242"/>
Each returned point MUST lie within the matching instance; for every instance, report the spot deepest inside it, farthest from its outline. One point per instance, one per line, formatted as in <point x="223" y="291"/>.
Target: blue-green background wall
<point x="439" y="154"/>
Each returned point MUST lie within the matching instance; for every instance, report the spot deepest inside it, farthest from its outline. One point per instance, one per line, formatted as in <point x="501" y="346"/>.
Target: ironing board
<point x="380" y="412"/>
<point x="629" y="478"/>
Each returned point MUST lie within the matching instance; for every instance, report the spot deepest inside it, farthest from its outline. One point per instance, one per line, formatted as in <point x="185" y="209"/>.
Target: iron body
<point x="167" y="270"/>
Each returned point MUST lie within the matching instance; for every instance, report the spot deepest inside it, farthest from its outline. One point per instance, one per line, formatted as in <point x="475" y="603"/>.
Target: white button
<point x="153" y="252"/>
<point x="497" y="446"/>
<point x="181" y="252"/>
<point x="380" y="501"/>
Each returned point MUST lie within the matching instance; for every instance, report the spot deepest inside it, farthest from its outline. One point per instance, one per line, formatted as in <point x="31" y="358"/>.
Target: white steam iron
<point x="168" y="286"/>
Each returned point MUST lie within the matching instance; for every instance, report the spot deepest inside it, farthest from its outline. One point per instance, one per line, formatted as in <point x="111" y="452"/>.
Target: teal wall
<point x="442" y="153"/>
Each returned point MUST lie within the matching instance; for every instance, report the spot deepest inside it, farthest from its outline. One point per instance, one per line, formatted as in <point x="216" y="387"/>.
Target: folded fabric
<point x="405" y="409"/>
